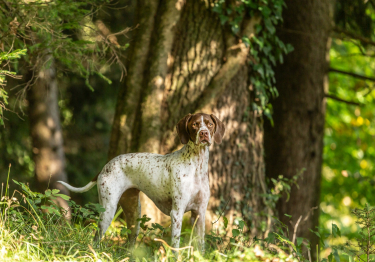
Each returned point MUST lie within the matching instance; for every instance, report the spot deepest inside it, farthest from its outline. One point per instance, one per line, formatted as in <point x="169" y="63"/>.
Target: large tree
<point x="184" y="59"/>
<point x="45" y="129"/>
<point x="295" y="142"/>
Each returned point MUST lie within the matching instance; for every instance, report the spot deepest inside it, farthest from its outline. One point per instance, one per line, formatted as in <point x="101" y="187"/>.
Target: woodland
<point x="82" y="82"/>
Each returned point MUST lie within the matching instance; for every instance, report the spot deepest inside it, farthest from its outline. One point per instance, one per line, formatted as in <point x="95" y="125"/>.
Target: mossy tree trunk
<point x="182" y="60"/>
<point x="295" y="142"/>
<point x="46" y="133"/>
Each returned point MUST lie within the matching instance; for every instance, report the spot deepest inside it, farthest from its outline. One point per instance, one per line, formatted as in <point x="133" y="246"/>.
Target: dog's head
<point x="201" y="129"/>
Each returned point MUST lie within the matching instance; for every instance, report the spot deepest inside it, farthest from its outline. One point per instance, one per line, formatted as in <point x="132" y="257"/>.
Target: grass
<point x="34" y="228"/>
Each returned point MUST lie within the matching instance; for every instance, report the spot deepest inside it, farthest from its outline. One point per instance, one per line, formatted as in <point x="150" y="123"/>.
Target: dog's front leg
<point x="199" y="227"/>
<point x="176" y="218"/>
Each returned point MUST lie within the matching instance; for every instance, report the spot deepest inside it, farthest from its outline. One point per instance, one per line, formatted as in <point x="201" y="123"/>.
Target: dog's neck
<point x="193" y="150"/>
<point x="198" y="154"/>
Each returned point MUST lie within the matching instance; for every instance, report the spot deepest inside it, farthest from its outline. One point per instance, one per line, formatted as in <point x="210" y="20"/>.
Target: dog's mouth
<point x="203" y="138"/>
<point x="205" y="142"/>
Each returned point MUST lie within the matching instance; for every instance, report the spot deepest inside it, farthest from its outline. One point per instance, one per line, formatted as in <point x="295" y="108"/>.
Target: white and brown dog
<point x="176" y="182"/>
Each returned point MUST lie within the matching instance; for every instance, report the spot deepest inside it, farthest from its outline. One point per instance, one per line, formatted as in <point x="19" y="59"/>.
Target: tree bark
<point x="295" y="142"/>
<point x="182" y="60"/>
<point x="46" y="133"/>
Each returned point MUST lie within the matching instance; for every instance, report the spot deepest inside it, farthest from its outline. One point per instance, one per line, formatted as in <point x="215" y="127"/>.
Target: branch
<point x="342" y="100"/>
<point x="106" y="33"/>
<point x="363" y="39"/>
<point x="221" y="212"/>
<point x="295" y="230"/>
<point x="352" y="74"/>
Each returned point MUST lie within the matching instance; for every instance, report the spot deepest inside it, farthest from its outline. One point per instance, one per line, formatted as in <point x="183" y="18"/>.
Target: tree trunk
<point x="182" y="60"/>
<point x="46" y="133"/>
<point x="296" y="139"/>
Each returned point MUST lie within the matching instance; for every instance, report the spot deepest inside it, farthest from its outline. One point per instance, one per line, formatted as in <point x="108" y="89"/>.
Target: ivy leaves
<point x="266" y="49"/>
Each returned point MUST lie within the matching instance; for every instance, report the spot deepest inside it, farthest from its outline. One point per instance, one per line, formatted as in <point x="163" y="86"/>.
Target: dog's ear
<point x="182" y="129"/>
<point x="219" y="129"/>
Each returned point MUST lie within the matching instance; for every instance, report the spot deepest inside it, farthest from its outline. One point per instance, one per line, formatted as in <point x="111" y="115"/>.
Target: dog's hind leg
<point x="108" y="198"/>
<point x="131" y="206"/>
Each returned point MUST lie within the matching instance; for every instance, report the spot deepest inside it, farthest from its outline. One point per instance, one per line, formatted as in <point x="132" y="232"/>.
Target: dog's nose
<point x="203" y="133"/>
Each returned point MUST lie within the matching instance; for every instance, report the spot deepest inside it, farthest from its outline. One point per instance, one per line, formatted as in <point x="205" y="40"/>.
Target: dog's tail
<point x="78" y="189"/>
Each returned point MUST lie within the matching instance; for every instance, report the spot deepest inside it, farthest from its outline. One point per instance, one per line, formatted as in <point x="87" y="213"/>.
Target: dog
<point x="176" y="182"/>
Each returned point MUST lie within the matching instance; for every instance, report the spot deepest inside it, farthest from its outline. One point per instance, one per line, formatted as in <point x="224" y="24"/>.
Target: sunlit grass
<point x="34" y="228"/>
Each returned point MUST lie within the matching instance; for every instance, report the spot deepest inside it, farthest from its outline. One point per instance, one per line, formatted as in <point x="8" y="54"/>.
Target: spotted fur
<point x="176" y="182"/>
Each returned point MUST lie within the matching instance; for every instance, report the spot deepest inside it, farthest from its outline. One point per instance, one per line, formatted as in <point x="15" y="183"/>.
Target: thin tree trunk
<point x="295" y="142"/>
<point x="46" y="133"/>
<point x="182" y="60"/>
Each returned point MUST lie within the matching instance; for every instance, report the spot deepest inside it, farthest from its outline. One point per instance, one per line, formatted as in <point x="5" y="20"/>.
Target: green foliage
<point x="5" y="59"/>
<point x="361" y="248"/>
<point x="266" y="49"/>
<point x="280" y="186"/>
<point x="366" y="222"/>
<point x="33" y="228"/>
<point x="349" y="149"/>
<point x="288" y="241"/>
<point x="62" y="30"/>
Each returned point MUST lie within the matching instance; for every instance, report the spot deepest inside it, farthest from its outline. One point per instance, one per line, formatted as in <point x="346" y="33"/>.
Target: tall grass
<point x="34" y="228"/>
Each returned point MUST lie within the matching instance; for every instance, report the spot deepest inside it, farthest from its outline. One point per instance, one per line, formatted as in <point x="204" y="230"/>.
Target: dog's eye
<point x="209" y="124"/>
<point x="194" y="124"/>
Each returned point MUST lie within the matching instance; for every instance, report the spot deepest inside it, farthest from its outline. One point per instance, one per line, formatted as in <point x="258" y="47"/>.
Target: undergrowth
<point x="34" y="228"/>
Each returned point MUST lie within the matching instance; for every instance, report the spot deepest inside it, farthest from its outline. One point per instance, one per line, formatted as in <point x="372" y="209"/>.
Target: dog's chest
<point x="198" y="191"/>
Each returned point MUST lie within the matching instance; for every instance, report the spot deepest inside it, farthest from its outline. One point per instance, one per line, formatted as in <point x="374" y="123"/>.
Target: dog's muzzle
<point x="203" y="137"/>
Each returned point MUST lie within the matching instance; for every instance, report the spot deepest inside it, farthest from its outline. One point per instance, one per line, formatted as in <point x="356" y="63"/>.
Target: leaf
<point x="299" y="240"/>
<point x="98" y="208"/>
<point x="265" y="11"/>
<point x="235" y="232"/>
<point x="223" y="19"/>
<point x="241" y="224"/>
<point x="125" y="231"/>
<point x="330" y="257"/>
<point x="289" y="48"/>
<point x="335" y="230"/>
<point x="336" y="255"/>
<point x="225" y="222"/>
<point x="288" y="215"/>
<point x="55" y="191"/>
<point x="286" y="241"/>
<point x="86" y="212"/>
<point x="270" y="27"/>
<point x="260" y="70"/>
<point x="246" y="40"/>
<point x="65" y="197"/>
<point x="157" y="226"/>
<point x="318" y="234"/>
